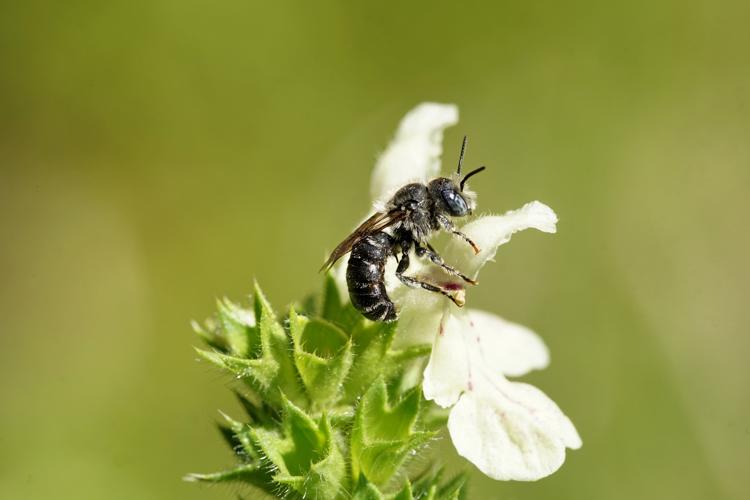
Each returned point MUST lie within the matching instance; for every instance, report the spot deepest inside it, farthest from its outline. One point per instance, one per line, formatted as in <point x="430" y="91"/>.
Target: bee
<point x="414" y="213"/>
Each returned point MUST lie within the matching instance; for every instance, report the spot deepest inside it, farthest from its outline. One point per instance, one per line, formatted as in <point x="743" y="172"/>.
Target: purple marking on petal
<point x="449" y="285"/>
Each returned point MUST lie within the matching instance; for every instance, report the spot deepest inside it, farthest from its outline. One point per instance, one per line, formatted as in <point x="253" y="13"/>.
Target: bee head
<point x="449" y="197"/>
<point x="450" y="193"/>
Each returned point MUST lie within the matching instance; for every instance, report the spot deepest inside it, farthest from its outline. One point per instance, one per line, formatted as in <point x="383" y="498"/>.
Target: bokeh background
<point x="155" y="155"/>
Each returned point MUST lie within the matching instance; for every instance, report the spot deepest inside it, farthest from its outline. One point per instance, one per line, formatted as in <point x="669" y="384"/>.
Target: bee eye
<point x="455" y="203"/>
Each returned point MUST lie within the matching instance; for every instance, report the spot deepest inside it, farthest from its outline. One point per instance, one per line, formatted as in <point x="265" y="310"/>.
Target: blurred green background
<point x="155" y="155"/>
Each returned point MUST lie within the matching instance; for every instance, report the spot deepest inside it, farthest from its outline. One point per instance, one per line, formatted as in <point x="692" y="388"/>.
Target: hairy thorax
<point x="415" y="200"/>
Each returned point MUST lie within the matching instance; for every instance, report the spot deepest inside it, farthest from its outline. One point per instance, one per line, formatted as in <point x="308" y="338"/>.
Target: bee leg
<point x="457" y="296"/>
<point x="436" y="259"/>
<point x="448" y="226"/>
<point x="394" y="252"/>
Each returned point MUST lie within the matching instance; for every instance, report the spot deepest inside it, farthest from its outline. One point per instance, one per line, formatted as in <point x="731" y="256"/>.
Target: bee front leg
<point x="436" y="259"/>
<point x="448" y="226"/>
<point x="403" y="265"/>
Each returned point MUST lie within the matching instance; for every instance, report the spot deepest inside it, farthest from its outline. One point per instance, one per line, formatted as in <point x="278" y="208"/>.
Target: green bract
<point x="330" y="413"/>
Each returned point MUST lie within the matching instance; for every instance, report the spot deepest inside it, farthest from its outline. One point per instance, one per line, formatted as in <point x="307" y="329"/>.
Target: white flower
<point x="509" y="430"/>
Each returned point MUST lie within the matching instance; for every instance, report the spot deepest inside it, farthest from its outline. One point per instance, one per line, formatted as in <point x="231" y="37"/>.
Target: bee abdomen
<point x="365" y="277"/>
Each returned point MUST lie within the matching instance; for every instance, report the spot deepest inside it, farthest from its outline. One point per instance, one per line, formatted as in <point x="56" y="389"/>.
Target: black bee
<point x="414" y="213"/>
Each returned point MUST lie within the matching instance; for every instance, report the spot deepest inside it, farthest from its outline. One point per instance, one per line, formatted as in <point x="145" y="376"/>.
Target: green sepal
<point x="259" y="412"/>
<point x="371" y="342"/>
<point x="322" y="355"/>
<point x="231" y="331"/>
<point x="384" y="435"/>
<point x="427" y="486"/>
<point x="432" y="417"/>
<point x="333" y="411"/>
<point x="375" y="358"/>
<point x="241" y="439"/>
<point x="304" y="454"/>
<point x="266" y="364"/>
<point x="405" y="493"/>
<point x="276" y="345"/>
<point x="248" y="473"/>
<point x="209" y="334"/>
<point x="259" y="373"/>
<point x="324" y="479"/>
<point x="242" y="337"/>
<point x="454" y="489"/>
<point x="231" y="439"/>
<point x="365" y="490"/>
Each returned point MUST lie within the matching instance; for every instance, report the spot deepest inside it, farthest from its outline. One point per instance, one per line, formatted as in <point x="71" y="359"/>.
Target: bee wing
<point x="378" y="222"/>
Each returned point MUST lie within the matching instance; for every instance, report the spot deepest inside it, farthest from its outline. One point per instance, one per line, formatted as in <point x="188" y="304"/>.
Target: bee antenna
<point x="473" y="172"/>
<point x="461" y="156"/>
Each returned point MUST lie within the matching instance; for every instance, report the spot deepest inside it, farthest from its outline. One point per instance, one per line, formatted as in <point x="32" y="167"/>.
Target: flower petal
<point x="414" y="153"/>
<point x="420" y="313"/>
<point x="491" y="231"/>
<point x="509" y="348"/>
<point x="511" y="431"/>
<point x="448" y="372"/>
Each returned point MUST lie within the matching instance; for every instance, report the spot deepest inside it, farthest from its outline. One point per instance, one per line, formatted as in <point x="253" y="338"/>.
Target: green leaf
<point x="241" y="337"/>
<point x="383" y="435"/>
<point x="323" y="357"/>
